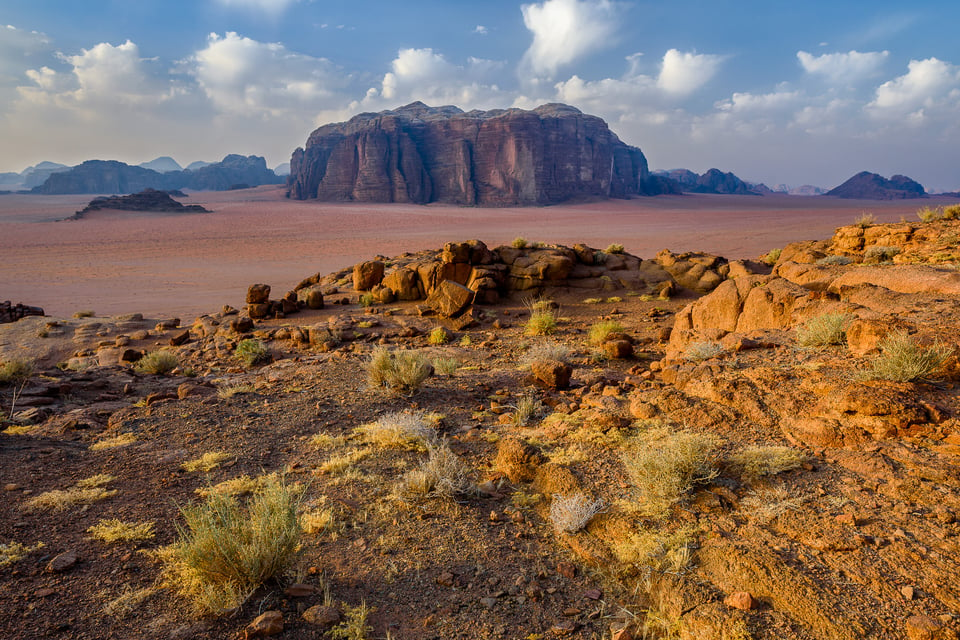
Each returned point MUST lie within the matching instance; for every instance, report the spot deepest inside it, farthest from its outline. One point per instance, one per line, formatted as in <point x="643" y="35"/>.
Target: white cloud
<point x="763" y="102"/>
<point x="926" y="84"/>
<point x="564" y="30"/>
<point x="244" y="76"/>
<point x="683" y="73"/>
<point x="847" y="67"/>
<point x="481" y="30"/>
<point x="266" y="6"/>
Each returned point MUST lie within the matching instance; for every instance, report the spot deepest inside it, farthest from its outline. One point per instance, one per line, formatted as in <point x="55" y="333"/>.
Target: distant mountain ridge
<point x="872" y="186"/>
<point x="713" y="181"/>
<point x="111" y="176"/>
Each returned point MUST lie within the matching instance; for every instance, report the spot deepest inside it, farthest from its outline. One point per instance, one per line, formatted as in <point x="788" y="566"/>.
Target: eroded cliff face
<point x="421" y="154"/>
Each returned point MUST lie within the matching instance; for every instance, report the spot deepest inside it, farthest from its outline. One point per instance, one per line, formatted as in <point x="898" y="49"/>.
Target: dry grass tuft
<point x="754" y="462"/>
<point x="114" y="530"/>
<point x="252" y="352"/>
<point x="614" y="248"/>
<point x="228" y="549"/>
<point x="16" y="371"/>
<point x="86" y="491"/>
<point x="442" y="475"/>
<point x="570" y="514"/>
<point x="547" y="351"/>
<point x="601" y="331"/>
<point x="399" y="371"/>
<point x="207" y="462"/>
<point x="158" y="362"/>
<point x="664" y="465"/>
<point x="700" y="351"/>
<point x="878" y="254"/>
<point x="864" y="220"/>
<point x="229" y="390"/>
<point x="120" y="440"/>
<point x="824" y="330"/>
<point x="401" y="429"/>
<point x="131" y="599"/>
<point x="526" y="409"/>
<point x="15" y="552"/>
<point x="541" y="323"/>
<point x="656" y="552"/>
<point x="239" y="486"/>
<point x="342" y="464"/>
<point x="901" y="359"/>
<point x="770" y="503"/>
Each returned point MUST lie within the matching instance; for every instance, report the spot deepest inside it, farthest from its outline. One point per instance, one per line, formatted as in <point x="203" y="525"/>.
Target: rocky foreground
<point x="818" y="497"/>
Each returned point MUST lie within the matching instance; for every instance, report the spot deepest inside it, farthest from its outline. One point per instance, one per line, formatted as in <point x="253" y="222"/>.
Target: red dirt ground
<point x="188" y="264"/>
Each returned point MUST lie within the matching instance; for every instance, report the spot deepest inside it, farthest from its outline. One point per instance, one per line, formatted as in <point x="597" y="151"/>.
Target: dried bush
<point x="445" y="366"/>
<point x="228" y="549"/>
<point x="754" y="462"/>
<point x="526" y="408"/>
<point x="864" y="220"/>
<point x="656" y="552"/>
<point x="207" y="462"/>
<point x="16" y="372"/>
<point x="601" y="331"/>
<point x="519" y="243"/>
<point x="120" y="440"/>
<point x="158" y="362"/>
<point x="402" y="429"/>
<point x="877" y="254"/>
<point x="952" y="212"/>
<point x="835" y="260"/>
<point x="570" y="514"/>
<point x="547" y="351"/>
<point x="398" y="371"/>
<point x="11" y="552"/>
<point x="115" y="530"/>
<point x="85" y="491"/>
<point x="664" y="465"/>
<point x="930" y="214"/>
<point x="700" y="351"/>
<point x="824" y="330"/>
<point x="901" y="359"/>
<point x="442" y="475"/>
<point x="252" y="352"/>
<point x="771" y="257"/>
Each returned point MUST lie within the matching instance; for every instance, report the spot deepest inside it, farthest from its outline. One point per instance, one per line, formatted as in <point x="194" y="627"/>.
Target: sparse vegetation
<point x="835" y="260"/>
<point x="400" y="371"/>
<point x="86" y="313"/>
<point x="354" y="625"/>
<point x="16" y="371"/>
<point x="128" y="601"/>
<point x="951" y="212"/>
<point x="592" y="300"/>
<point x="547" y="351"/>
<point x="158" y="362"/>
<point x="755" y="462"/>
<point x="771" y="257"/>
<point x="700" y="351"/>
<point x="86" y="491"/>
<point x="228" y="549"/>
<point x="864" y="220"/>
<point x="570" y="514"/>
<point x="402" y="429"/>
<point x="601" y="331"/>
<point x="366" y="299"/>
<point x="901" y="359"/>
<point x="114" y="530"/>
<point x="656" y="552"/>
<point x="519" y="243"/>
<point x="227" y="391"/>
<point x="207" y="462"/>
<point x="526" y="408"/>
<point x="445" y="366"/>
<point x="438" y="336"/>
<point x="823" y="330"/>
<point x="239" y="486"/>
<point x="664" y="465"/>
<point x="252" y="352"/>
<point x="442" y="475"/>
<point x="11" y="552"/>
<point x="120" y="440"/>
<point x="878" y="254"/>
<point x="614" y="248"/>
<point x="930" y="214"/>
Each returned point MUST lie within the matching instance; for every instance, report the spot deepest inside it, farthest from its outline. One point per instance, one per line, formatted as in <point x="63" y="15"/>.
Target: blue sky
<point x="798" y="92"/>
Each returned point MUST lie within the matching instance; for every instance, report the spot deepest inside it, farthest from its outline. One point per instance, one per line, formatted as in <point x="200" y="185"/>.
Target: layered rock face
<point x="420" y="154"/>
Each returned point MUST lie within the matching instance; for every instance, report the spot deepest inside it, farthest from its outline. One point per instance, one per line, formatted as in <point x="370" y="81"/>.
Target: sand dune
<point x="188" y="264"/>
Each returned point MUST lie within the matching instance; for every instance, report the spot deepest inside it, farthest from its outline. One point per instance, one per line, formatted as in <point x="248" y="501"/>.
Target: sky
<point x="777" y="92"/>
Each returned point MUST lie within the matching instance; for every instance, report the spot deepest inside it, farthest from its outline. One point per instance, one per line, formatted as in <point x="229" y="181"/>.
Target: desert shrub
<point x="901" y="359"/>
<point x="864" y="220"/>
<point x="129" y="601"/>
<point x="526" y="408"/>
<point x="547" y="351"/>
<point x="769" y="503"/>
<point x="754" y="462"/>
<point x="445" y="366"/>
<point x="664" y="465"/>
<point x="952" y="212"/>
<point x="614" y="248"/>
<point x="541" y="323"/>
<point x="86" y="313"/>
<point x="366" y="299"/>
<point x="656" y="551"/>
<point x="570" y="514"/>
<point x="439" y="335"/>
<point x="227" y="391"/>
<point x="207" y="462"/>
<point x="835" y="260"/>
<point x="823" y="330"/>
<point x="120" y="440"/>
<point x="115" y="530"/>
<point x="930" y="214"/>
<point x="519" y="243"/>
<point x="240" y="486"/>
<point x="771" y="257"/>
<point x="252" y="352"/>
<point x="11" y="552"/>
<point x="16" y="371"/>
<point x="86" y="491"/>
<point x="878" y="253"/>
<point x="700" y="351"/>
<point x="601" y="331"/>
<point x="614" y="299"/>
<point x="403" y="429"/>
<point x="539" y="244"/>
<point x="354" y="625"/>
<point x="442" y="475"/>
<point x="592" y="300"/>
<point x="228" y="549"/>
<point x="158" y="362"/>
<point x="399" y="371"/>
<point x="466" y="341"/>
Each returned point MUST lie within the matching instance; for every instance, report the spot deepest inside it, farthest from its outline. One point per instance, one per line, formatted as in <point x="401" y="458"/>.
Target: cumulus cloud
<point x="481" y="30"/>
<point x="926" y="84"/>
<point x="564" y="30"/>
<point x="682" y="73"/>
<point x="849" y="67"/>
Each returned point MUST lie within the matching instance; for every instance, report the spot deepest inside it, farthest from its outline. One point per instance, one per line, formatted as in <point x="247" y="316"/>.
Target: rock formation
<point x="146" y="200"/>
<point x="422" y="154"/>
<point x="870" y="186"/>
<point x="12" y="312"/>
<point x="713" y="181"/>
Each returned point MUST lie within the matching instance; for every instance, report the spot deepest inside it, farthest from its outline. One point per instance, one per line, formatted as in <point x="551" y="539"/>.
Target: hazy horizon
<point x="773" y="94"/>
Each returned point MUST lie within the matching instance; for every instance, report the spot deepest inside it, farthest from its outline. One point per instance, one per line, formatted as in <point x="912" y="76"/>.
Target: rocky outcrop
<point x="713" y="181"/>
<point x="871" y="186"/>
<point x="146" y="200"/>
<point x="13" y="312"/>
<point x="420" y="154"/>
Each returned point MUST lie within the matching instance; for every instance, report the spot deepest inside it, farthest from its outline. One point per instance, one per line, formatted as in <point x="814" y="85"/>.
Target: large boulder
<point x="367" y="274"/>
<point x="450" y="299"/>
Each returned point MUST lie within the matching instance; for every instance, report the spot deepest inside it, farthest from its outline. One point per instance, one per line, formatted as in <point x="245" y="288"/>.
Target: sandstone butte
<point x="821" y="498"/>
<point x="503" y="157"/>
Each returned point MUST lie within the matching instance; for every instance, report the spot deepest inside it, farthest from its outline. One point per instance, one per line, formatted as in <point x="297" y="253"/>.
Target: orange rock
<point x="740" y="600"/>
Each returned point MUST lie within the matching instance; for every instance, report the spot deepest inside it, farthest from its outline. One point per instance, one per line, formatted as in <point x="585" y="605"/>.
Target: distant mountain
<point x="111" y="176"/>
<point x="163" y="164"/>
<point x="10" y="179"/>
<point x="713" y="181"/>
<point x="197" y="164"/>
<point x="871" y="186"/>
<point x="38" y="173"/>
<point x="802" y="190"/>
<point x="282" y="169"/>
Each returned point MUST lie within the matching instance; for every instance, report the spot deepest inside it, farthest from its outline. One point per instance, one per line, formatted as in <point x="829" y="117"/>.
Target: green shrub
<point x="228" y="549"/>
<point x="158" y="362"/>
<point x="771" y="257"/>
<point x="541" y="323"/>
<point x="252" y="352"/>
<point x="601" y="331"/>
<point x="16" y="372"/>
<point x="901" y="359"/>
<point x="366" y="300"/>
<point x="519" y="243"/>
<point x="823" y="330"/>
<point x="439" y="335"/>
<point x="445" y="366"/>
<point x="399" y="371"/>
<point x="614" y="248"/>
<point x="878" y="253"/>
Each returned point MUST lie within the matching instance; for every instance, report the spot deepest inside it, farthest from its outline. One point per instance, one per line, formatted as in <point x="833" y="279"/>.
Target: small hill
<point x="872" y="186"/>
<point x="146" y="200"/>
<point x="713" y="181"/>
<point x="163" y="164"/>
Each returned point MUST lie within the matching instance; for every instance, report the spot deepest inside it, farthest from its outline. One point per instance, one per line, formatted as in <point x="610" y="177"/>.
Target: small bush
<point x="547" y="351"/>
<point x="700" y="351"/>
<point x="601" y="331"/>
<point x="252" y="352"/>
<point x="952" y="212"/>
<point x="228" y="549"/>
<point x="665" y="465"/>
<point x="121" y="440"/>
<point x="398" y="371"/>
<point x="207" y="462"/>
<point x="403" y="429"/>
<point x="901" y="359"/>
<point x="656" y="552"/>
<point x="158" y="362"/>
<point x="864" y="220"/>
<point x="835" y="260"/>
<point x="442" y="475"/>
<point x="541" y="323"/>
<point x="823" y="330"/>
<point x="771" y="257"/>
<point x="877" y="254"/>
<point x="592" y="300"/>
<point x="570" y="514"/>
<point x="930" y="214"/>
<point x="86" y="491"/>
<point x="366" y="300"/>
<point x="445" y="366"/>
<point x="439" y="335"/>
<point x="239" y="486"/>
<point x="527" y="408"/>
<point x="519" y="243"/>
<point x="752" y="463"/>
<point x="16" y="372"/>
<point x="86" y="313"/>
<point x="354" y="625"/>
<point x="111" y="531"/>
<point x="614" y="248"/>
<point x="11" y="552"/>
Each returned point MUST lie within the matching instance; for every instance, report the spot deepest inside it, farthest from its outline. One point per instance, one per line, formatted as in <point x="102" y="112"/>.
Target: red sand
<point x="189" y="264"/>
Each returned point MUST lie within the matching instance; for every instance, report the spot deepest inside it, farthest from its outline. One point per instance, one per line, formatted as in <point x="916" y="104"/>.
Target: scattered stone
<point x="908" y="592"/>
<point x="921" y="627"/>
<point x="179" y="338"/>
<point x="166" y="325"/>
<point x="269" y="623"/>
<point x="740" y="600"/>
<point x="567" y="570"/>
<point x="299" y="590"/>
<point x="552" y="373"/>
<point x="63" y="562"/>
<point x="450" y="299"/>
<point x="489" y="603"/>
<point x="258" y="294"/>
<point x="593" y="594"/>
<point x="445" y="579"/>
<point x="367" y="274"/>
<point x="565" y="627"/>
<point x="322" y="615"/>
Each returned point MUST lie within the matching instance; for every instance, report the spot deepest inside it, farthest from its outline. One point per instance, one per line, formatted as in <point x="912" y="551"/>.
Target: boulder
<point x="450" y="299"/>
<point x="405" y="283"/>
<point x="552" y="373"/>
<point x="367" y="274"/>
<point x="258" y="294"/>
<point x="311" y="297"/>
